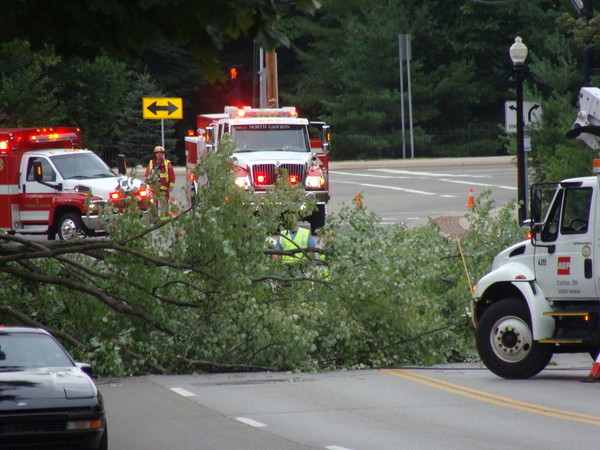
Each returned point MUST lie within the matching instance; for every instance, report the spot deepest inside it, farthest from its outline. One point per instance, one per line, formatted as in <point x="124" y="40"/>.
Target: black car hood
<point x="20" y="387"/>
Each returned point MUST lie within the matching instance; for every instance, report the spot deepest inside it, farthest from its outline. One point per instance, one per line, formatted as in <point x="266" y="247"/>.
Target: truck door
<point x="564" y="264"/>
<point x="36" y="198"/>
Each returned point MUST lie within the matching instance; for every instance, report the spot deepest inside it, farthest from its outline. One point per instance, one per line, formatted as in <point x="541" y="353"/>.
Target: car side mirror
<point x="85" y="368"/>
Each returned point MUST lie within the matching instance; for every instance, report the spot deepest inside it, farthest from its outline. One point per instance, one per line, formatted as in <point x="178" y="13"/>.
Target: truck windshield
<point x="271" y="137"/>
<point x="81" y="165"/>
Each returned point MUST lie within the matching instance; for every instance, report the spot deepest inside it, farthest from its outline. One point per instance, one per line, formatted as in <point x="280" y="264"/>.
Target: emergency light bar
<point x="16" y="138"/>
<point x="233" y="112"/>
<point x="53" y="137"/>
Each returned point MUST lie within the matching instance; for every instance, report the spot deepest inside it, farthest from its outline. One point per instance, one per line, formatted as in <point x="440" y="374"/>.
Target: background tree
<point x="28" y="94"/>
<point x="136" y="137"/>
<point x="461" y="72"/>
<point x="93" y="93"/>
<point x="127" y="28"/>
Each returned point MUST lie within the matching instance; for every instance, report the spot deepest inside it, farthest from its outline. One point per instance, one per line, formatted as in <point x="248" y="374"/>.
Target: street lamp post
<point x="518" y="55"/>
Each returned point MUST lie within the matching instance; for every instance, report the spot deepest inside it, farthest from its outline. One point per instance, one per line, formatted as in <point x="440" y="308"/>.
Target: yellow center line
<point x="492" y="398"/>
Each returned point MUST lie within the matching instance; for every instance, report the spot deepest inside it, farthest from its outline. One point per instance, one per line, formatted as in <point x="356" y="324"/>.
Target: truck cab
<point x="50" y="185"/>
<point x="542" y="295"/>
<point x="269" y="142"/>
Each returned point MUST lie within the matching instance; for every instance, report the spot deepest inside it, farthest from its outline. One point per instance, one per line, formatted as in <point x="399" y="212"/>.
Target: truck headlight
<point x="315" y="182"/>
<point x="242" y="182"/>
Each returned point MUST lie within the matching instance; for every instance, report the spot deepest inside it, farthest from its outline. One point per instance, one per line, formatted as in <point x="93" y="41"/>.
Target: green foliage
<point x="554" y="83"/>
<point x="91" y="28"/>
<point x="28" y="96"/>
<point x="93" y="94"/>
<point x="199" y="292"/>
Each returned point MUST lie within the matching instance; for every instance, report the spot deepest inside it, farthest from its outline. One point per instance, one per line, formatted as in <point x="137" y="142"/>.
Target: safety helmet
<point x="159" y="149"/>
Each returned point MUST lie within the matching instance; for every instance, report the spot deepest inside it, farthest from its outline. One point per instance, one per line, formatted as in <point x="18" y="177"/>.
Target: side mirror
<point x="121" y="164"/>
<point x="38" y="173"/>
<point x="210" y="135"/>
<point x="326" y="137"/>
<point x="536" y="205"/>
<point x="86" y="368"/>
<point x="38" y="176"/>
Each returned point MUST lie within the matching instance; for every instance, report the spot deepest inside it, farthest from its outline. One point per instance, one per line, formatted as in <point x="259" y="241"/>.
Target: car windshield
<point x="81" y="165"/>
<point x="31" y="350"/>
<point x="271" y="137"/>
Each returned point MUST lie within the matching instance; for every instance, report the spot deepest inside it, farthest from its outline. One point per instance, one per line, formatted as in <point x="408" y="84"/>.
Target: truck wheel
<point x="70" y="226"/>
<point x="317" y="219"/>
<point x="505" y="341"/>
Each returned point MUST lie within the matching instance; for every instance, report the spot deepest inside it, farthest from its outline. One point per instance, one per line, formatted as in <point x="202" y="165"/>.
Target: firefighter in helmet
<point x="160" y="173"/>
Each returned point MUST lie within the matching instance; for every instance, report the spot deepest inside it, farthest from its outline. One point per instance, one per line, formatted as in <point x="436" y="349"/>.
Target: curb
<point x="470" y="161"/>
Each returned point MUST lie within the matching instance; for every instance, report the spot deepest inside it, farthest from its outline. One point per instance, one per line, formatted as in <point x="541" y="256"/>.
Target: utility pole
<point x="272" y="82"/>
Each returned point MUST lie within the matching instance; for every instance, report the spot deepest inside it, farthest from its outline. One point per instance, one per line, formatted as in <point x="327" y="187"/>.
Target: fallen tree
<point x="199" y="292"/>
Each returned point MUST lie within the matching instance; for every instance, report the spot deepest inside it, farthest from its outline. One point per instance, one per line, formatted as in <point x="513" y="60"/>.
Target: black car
<point x="46" y="399"/>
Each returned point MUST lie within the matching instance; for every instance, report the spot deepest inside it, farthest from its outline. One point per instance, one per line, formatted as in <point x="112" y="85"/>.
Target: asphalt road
<point x="412" y="191"/>
<point x="456" y="406"/>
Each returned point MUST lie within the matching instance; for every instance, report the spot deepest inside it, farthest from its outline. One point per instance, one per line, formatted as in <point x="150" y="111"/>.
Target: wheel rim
<point x="511" y="339"/>
<point x="68" y="229"/>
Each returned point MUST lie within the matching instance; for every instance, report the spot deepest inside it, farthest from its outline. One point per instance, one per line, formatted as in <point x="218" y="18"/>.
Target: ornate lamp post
<point x="518" y="55"/>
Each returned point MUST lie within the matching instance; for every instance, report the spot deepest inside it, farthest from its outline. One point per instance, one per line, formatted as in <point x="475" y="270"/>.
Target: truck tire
<point x="70" y="226"/>
<point x="317" y="219"/>
<point x="505" y="341"/>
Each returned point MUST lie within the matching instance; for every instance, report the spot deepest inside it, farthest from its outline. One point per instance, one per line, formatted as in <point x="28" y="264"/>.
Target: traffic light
<point x="233" y="73"/>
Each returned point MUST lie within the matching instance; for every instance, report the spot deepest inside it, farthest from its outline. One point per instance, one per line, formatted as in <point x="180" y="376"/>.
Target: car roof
<point x="12" y="329"/>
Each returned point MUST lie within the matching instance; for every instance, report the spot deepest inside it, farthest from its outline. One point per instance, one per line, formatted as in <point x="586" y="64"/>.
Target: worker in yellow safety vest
<point x="294" y="238"/>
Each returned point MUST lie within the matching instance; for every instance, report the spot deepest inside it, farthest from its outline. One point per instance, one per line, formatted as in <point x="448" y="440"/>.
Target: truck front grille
<point x="267" y="174"/>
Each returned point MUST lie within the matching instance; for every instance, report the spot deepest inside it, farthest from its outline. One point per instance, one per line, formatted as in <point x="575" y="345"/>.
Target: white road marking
<point x="428" y="174"/>
<point x="393" y="188"/>
<point x="510" y="188"/>
<point x="363" y="175"/>
<point x="183" y="392"/>
<point x="336" y="447"/>
<point x="251" y="422"/>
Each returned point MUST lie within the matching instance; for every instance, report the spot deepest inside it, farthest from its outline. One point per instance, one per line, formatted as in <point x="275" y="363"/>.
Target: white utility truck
<point x="542" y="295"/>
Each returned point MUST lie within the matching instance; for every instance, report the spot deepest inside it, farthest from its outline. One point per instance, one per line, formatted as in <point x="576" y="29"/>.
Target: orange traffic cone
<point x="595" y="372"/>
<point x="470" y="199"/>
<point x="358" y="200"/>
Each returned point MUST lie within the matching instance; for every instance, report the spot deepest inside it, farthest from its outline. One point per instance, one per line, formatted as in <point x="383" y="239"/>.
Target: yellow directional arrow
<point x="162" y="108"/>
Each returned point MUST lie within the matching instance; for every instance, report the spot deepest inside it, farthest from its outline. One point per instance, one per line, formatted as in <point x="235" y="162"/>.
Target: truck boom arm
<point x="586" y="127"/>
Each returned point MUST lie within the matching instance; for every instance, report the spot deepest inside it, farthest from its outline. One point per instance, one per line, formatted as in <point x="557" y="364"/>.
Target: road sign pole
<point x="521" y="158"/>
<point x="162" y="131"/>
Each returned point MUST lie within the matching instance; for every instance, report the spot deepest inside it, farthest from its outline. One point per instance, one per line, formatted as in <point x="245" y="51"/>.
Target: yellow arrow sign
<point x="162" y="108"/>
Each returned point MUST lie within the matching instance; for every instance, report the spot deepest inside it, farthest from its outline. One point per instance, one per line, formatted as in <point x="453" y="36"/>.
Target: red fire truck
<point x="268" y="142"/>
<point x="50" y="185"/>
